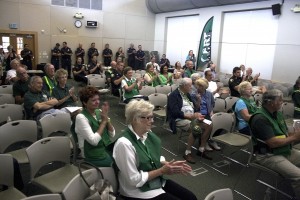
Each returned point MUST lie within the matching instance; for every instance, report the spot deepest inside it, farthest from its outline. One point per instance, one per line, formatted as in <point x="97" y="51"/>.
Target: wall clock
<point x="78" y="23"/>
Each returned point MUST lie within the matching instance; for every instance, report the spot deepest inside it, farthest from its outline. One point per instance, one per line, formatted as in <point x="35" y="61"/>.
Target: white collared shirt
<point x="130" y="179"/>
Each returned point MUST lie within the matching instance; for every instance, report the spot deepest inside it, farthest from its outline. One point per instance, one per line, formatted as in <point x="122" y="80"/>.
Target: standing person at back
<point x="27" y="56"/>
<point x="234" y="82"/>
<point x="92" y="52"/>
<point x="80" y="52"/>
<point x="66" y="53"/>
<point x="191" y="57"/>
<point x="139" y="59"/>
<point x="131" y="56"/>
<point x="9" y="56"/>
<point x="55" y="56"/>
<point x="107" y="54"/>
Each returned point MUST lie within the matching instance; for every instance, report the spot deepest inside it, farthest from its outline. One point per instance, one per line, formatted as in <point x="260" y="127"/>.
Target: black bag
<point x="101" y="189"/>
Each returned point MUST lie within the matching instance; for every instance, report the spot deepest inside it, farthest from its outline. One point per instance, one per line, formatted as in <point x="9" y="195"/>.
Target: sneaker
<point x="189" y="158"/>
<point x="214" y="145"/>
<point x="203" y="155"/>
<point x="208" y="148"/>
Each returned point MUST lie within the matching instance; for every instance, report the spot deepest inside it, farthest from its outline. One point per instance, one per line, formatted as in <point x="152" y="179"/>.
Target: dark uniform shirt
<point x="92" y="52"/>
<point x="107" y="60"/>
<point x="92" y="66"/>
<point x="115" y="75"/>
<point x="80" y="53"/>
<point x="27" y="58"/>
<point x="55" y="58"/>
<point x="140" y="54"/>
<point x="64" y="53"/>
<point x="59" y="93"/>
<point x="20" y="88"/>
<point x="166" y="61"/>
<point x="234" y="81"/>
<point x="77" y="68"/>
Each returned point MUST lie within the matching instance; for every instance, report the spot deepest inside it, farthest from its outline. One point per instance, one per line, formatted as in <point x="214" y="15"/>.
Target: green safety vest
<point x="148" y="157"/>
<point x="155" y="82"/>
<point x="98" y="151"/>
<point x="133" y="92"/>
<point x="50" y="84"/>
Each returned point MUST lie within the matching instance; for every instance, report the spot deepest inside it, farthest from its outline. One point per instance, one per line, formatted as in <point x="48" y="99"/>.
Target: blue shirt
<point x="240" y="105"/>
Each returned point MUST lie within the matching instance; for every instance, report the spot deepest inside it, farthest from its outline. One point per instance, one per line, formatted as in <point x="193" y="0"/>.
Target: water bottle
<point x="8" y="119"/>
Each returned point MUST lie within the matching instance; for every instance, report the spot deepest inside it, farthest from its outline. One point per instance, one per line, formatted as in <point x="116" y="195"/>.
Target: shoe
<point x="208" y="148"/>
<point x="203" y="155"/>
<point x="189" y="158"/>
<point x="214" y="145"/>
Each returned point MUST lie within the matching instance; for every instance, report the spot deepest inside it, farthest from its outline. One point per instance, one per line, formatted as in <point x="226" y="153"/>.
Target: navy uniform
<point x="107" y="53"/>
<point x="27" y="56"/>
<point x="234" y="81"/>
<point x="66" y="53"/>
<point x="80" y="53"/>
<point x="139" y="60"/>
<point x="55" y="52"/>
<point x="92" y="65"/>
<point x="92" y="52"/>
<point x="131" y="57"/>
<point x="115" y="74"/>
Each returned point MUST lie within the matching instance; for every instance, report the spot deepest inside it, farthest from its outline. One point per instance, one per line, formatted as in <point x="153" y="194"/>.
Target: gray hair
<point x="271" y="95"/>
<point x="46" y="66"/>
<point x="195" y="76"/>
<point x="33" y="78"/>
<point x="243" y="86"/>
<point x="184" y="81"/>
<point x="137" y="108"/>
<point x="14" y="61"/>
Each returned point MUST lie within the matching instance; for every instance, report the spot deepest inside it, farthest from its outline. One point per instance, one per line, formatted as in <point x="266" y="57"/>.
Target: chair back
<point x="6" y="170"/>
<point x="17" y="131"/>
<point x="89" y="76"/>
<point x="221" y="194"/>
<point x="78" y="190"/>
<point x="147" y="90"/>
<point x="220" y="105"/>
<point x="221" y="121"/>
<point x="44" y="197"/>
<point x="56" y="123"/>
<point x="14" y="111"/>
<point x="163" y="89"/>
<point x="6" y="89"/>
<point x="288" y="110"/>
<point x="97" y="82"/>
<point x="48" y="150"/>
<point x="229" y="102"/>
<point x="158" y="99"/>
<point x="7" y="99"/>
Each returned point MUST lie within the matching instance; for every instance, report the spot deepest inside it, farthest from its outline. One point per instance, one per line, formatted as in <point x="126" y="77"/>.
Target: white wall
<point x="121" y="22"/>
<point x="286" y="60"/>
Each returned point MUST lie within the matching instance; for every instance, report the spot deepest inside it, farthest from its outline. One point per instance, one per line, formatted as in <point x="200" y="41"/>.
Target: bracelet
<point x="108" y="121"/>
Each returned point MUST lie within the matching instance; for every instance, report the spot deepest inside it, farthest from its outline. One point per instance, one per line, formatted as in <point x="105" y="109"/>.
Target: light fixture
<point x="78" y="15"/>
<point x="296" y="9"/>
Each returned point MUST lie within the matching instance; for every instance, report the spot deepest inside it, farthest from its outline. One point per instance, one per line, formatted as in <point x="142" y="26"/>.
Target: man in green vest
<point x="274" y="143"/>
<point x="49" y="81"/>
<point x="189" y="69"/>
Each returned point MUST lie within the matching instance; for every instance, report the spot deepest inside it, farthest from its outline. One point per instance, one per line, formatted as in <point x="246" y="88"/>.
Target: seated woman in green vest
<point x="130" y="85"/>
<point x="141" y="166"/>
<point x="244" y="107"/>
<point x="165" y="77"/>
<point x="94" y="129"/>
<point x="151" y="76"/>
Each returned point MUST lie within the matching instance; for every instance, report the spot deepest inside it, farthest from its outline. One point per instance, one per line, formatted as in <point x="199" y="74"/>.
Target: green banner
<point x="204" y="52"/>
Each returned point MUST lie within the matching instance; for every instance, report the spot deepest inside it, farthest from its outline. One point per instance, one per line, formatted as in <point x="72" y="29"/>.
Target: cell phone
<point x="206" y="121"/>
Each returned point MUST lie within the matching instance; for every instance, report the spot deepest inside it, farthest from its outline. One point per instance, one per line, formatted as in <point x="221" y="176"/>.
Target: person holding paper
<point x="62" y="92"/>
<point x="94" y="129"/>
<point x="142" y="168"/>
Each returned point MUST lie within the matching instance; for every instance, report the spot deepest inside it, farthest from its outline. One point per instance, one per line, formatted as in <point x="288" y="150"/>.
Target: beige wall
<point x="119" y="23"/>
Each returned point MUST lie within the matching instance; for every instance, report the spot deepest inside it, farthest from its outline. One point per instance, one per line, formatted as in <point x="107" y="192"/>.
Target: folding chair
<point x="163" y="89"/>
<point x="98" y="82"/>
<point x="76" y="189"/>
<point x="221" y="194"/>
<point x="48" y="150"/>
<point x="15" y="132"/>
<point x="229" y="103"/>
<point x="220" y="105"/>
<point x="7" y="178"/>
<point x="147" y="90"/>
<point x="160" y="102"/>
<point x="14" y="111"/>
<point x="6" y="89"/>
<point x="288" y="110"/>
<point x="56" y="123"/>
<point x="7" y="99"/>
<point x="224" y="121"/>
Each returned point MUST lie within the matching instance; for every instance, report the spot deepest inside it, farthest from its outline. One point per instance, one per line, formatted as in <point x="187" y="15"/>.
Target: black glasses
<point x="148" y="118"/>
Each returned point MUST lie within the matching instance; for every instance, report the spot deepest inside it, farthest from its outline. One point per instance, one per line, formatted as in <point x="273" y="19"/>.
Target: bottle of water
<point x="8" y="119"/>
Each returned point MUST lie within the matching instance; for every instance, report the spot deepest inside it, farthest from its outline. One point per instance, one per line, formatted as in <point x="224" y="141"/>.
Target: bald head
<point x="22" y="74"/>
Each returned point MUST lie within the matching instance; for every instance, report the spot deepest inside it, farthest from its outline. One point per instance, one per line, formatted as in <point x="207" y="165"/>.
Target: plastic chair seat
<point x="233" y="139"/>
<point x="11" y="194"/>
<point x="20" y="155"/>
<point x="160" y="113"/>
<point x="56" y="180"/>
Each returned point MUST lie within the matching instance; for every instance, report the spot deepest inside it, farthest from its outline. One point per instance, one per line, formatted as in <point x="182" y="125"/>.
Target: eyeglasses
<point x="148" y="118"/>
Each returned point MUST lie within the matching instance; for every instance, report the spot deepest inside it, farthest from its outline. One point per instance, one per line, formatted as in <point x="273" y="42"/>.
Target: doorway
<point x="18" y="39"/>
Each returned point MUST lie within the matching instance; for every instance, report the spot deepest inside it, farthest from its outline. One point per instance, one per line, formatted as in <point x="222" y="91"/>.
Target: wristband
<point x="108" y="121"/>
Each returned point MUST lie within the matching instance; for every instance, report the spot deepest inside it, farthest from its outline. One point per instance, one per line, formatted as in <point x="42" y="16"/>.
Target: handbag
<point x="101" y="189"/>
